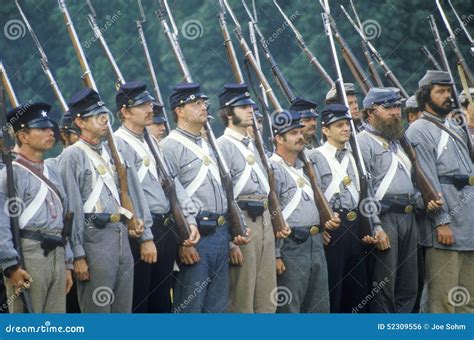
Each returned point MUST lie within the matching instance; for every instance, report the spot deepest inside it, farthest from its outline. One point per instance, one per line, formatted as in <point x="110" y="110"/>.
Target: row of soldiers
<point x="307" y="267"/>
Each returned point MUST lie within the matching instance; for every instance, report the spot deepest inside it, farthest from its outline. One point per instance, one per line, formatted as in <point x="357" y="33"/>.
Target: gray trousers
<point x="303" y="286"/>
<point x="110" y="288"/>
<point x="252" y="283"/>
<point x="48" y="289"/>
<point x="450" y="277"/>
<point x="395" y="270"/>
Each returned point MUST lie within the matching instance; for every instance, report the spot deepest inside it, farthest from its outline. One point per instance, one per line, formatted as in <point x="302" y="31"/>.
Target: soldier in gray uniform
<point x="467" y="103"/>
<point x="441" y="145"/>
<point x="309" y="116"/>
<point x="202" y="284"/>
<point x="103" y="262"/>
<point x="158" y="128"/>
<point x="252" y="274"/>
<point x="395" y="259"/>
<point x="411" y="111"/>
<point x="41" y="205"/>
<point x="301" y="264"/>
<point x="153" y="276"/>
<point x="331" y="98"/>
<point x="345" y="252"/>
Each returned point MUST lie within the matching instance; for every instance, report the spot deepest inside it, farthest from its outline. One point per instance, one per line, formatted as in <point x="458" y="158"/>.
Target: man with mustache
<point x="42" y="204"/>
<point x="204" y="269"/>
<point x="153" y="269"/>
<point x="309" y="116"/>
<point x="337" y="168"/>
<point x="395" y="260"/>
<point x="252" y="274"/>
<point x="103" y="262"/>
<point x="441" y="145"/>
<point x="301" y="264"/>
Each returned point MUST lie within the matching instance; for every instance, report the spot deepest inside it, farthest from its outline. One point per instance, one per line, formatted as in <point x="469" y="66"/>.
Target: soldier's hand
<point x="20" y="280"/>
<point x="138" y="230"/>
<point x="236" y="256"/>
<point x="69" y="281"/>
<point x="194" y="236"/>
<point x="445" y="234"/>
<point x="333" y="223"/>
<point x="241" y="240"/>
<point x="81" y="269"/>
<point x="283" y="233"/>
<point x="435" y="205"/>
<point x="326" y="238"/>
<point x="383" y="241"/>
<point x="188" y="255"/>
<point x="148" y="253"/>
<point x="280" y="266"/>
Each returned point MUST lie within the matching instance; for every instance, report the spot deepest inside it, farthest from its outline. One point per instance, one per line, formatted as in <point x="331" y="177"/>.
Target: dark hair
<point x="408" y="110"/>
<point x="224" y="114"/>
<point x="366" y="111"/>
<point x="423" y="96"/>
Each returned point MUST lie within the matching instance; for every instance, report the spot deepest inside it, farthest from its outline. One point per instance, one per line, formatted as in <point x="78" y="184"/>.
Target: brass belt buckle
<point x="221" y="220"/>
<point x="351" y="216"/>
<point x="408" y="209"/>
<point x="114" y="218"/>
<point x="314" y="230"/>
<point x="471" y="180"/>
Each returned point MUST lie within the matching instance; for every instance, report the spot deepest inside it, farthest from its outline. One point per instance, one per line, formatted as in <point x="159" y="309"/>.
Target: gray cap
<point x="332" y="94"/>
<point x="411" y="103"/>
<point x="435" y="77"/>
<point x="381" y="96"/>
<point x="463" y="98"/>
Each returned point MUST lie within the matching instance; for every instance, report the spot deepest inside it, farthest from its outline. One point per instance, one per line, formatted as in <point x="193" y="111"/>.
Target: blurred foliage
<point x="403" y="30"/>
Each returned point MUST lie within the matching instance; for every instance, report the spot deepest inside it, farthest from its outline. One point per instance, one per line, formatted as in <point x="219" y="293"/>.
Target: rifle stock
<point x="12" y="198"/>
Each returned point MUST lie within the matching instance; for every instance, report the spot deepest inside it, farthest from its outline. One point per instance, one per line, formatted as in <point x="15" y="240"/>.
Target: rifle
<point x="426" y="186"/>
<point x="454" y="46"/>
<point x="276" y="71"/>
<point x="322" y="204"/>
<point x="168" y="185"/>
<point x="431" y="58"/>
<point x="236" y="221"/>
<point x="44" y="62"/>
<point x="366" y="190"/>
<point x="151" y="69"/>
<point x="299" y="38"/>
<point x="461" y="24"/>
<point x="348" y="55"/>
<point x="387" y="71"/>
<point x="457" y="105"/>
<point x="365" y="49"/>
<point x="278" y="222"/>
<point x="8" y="86"/>
<point x="125" y="200"/>
<point x="238" y="74"/>
<point x="12" y="199"/>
